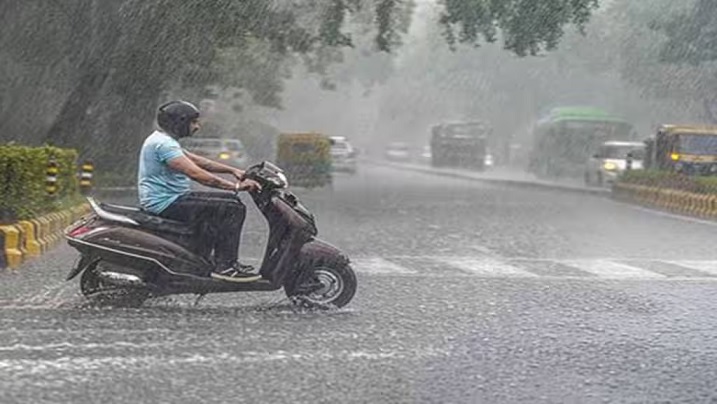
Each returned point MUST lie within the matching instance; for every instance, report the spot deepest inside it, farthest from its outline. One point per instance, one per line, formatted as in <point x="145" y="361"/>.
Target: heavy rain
<point x="358" y="201"/>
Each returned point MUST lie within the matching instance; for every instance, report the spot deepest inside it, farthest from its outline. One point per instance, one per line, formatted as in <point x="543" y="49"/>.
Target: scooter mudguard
<point x="142" y="250"/>
<point x="319" y="249"/>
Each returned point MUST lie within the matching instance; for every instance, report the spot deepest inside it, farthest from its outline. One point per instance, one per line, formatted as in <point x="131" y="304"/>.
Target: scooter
<point x="129" y="255"/>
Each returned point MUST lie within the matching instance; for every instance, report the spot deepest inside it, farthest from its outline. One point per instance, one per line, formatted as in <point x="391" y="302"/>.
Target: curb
<point x="508" y="182"/>
<point x="31" y="238"/>
<point x="670" y="200"/>
<point x="32" y="245"/>
<point x="11" y="246"/>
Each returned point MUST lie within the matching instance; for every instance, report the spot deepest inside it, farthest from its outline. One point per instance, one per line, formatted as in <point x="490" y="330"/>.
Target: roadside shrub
<point x="22" y="181"/>
<point x="671" y="180"/>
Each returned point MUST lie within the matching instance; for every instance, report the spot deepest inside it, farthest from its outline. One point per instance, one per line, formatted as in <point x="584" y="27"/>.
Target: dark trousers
<point x="216" y="218"/>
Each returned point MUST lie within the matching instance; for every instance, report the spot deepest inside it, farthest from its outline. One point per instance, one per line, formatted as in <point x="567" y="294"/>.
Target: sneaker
<point x="237" y="273"/>
<point x="246" y="269"/>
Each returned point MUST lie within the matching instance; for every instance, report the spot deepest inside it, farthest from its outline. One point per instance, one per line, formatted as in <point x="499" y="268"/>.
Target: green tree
<point x="98" y="68"/>
<point x="527" y="26"/>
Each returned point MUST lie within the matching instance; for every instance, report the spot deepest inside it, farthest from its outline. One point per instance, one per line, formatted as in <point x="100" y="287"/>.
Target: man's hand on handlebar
<point x="247" y="185"/>
<point x="239" y="174"/>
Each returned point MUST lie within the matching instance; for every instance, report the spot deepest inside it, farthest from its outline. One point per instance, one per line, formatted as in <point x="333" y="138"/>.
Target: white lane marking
<point x="604" y="267"/>
<point x="487" y="267"/>
<point x="705" y="266"/>
<point x="72" y="346"/>
<point x="377" y="265"/>
<point x="611" y="270"/>
<point x="33" y="367"/>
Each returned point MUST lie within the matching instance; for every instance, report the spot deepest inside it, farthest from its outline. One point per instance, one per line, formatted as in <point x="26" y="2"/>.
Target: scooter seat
<point x="149" y="221"/>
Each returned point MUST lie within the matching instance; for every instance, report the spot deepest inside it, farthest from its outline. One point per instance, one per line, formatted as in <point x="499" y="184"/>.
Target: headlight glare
<point x="610" y="166"/>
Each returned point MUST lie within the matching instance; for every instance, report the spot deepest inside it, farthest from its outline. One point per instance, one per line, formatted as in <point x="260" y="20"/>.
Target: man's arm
<point x="187" y="166"/>
<point x="213" y="166"/>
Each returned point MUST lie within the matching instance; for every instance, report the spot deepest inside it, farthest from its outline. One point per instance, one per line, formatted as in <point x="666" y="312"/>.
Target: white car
<point x="343" y="155"/>
<point x="223" y="150"/>
<point x="613" y="158"/>
<point x="425" y="156"/>
<point x="398" y="151"/>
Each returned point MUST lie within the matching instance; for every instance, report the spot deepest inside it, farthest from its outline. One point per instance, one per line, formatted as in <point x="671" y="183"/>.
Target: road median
<point x="509" y="179"/>
<point x="681" y="202"/>
<point x="665" y="199"/>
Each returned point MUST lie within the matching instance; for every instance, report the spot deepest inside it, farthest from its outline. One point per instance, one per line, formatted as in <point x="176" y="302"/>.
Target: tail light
<point x="79" y="231"/>
<point x="82" y="228"/>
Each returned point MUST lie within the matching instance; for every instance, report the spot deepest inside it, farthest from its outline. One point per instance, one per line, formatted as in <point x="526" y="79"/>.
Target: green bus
<point x="564" y="140"/>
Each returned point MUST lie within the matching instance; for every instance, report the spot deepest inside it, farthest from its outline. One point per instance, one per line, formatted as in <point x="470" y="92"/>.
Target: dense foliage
<point x="22" y="182"/>
<point x="671" y="180"/>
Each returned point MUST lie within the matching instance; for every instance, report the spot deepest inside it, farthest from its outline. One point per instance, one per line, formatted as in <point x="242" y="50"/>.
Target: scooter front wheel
<point x="323" y="283"/>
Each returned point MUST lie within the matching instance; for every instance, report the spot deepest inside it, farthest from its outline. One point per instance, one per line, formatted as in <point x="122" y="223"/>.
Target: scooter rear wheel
<point x="95" y="289"/>
<point x="325" y="283"/>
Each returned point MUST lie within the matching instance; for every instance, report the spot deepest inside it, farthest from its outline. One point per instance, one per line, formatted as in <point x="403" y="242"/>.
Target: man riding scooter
<point x="165" y="171"/>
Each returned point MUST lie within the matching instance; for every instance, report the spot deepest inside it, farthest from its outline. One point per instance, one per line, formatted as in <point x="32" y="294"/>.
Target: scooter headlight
<point x="283" y="179"/>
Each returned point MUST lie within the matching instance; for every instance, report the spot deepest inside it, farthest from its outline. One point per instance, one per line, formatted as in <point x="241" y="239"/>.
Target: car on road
<point x="424" y="155"/>
<point x="343" y="155"/>
<point x="613" y="158"/>
<point x="398" y="151"/>
<point x="489" y="161"/>
<point x="565" y="138"/>
<point x="224" y="150"/>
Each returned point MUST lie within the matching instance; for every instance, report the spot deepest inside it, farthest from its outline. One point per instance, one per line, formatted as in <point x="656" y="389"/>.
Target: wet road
<point x="468" y="292"/>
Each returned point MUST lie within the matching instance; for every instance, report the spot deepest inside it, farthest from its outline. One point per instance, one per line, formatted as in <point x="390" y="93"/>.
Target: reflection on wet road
<point x="468" y="292"/>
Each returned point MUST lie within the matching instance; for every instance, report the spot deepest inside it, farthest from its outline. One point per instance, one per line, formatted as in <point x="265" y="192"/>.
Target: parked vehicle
<point x="224" y="150"/>
<point x="343" y="155"/>
<point x="462" y="144"/>
<point x="685" y="149"/>
<point x="129" y="255"/>
<point x="613" y="158"/>
<point x="306" y="157"/>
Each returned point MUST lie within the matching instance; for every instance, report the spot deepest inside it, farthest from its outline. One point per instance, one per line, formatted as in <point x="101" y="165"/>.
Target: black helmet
<point x="175" y="116"/>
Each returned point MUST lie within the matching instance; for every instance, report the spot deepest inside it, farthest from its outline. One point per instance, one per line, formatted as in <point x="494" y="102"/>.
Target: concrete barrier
<point x="671" y="200"/>
<point x="31" y="238"/>
<point x="11" y="246"/>
<point x="32" y="245"/>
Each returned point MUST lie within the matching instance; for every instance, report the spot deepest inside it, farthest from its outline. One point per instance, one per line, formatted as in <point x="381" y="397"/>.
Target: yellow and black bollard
<point x="86" y="177"/>
<point x="51" y="179"/>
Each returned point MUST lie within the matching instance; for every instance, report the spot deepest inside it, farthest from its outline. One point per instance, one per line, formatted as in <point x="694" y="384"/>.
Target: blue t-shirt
<point x="158" y="184"/>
